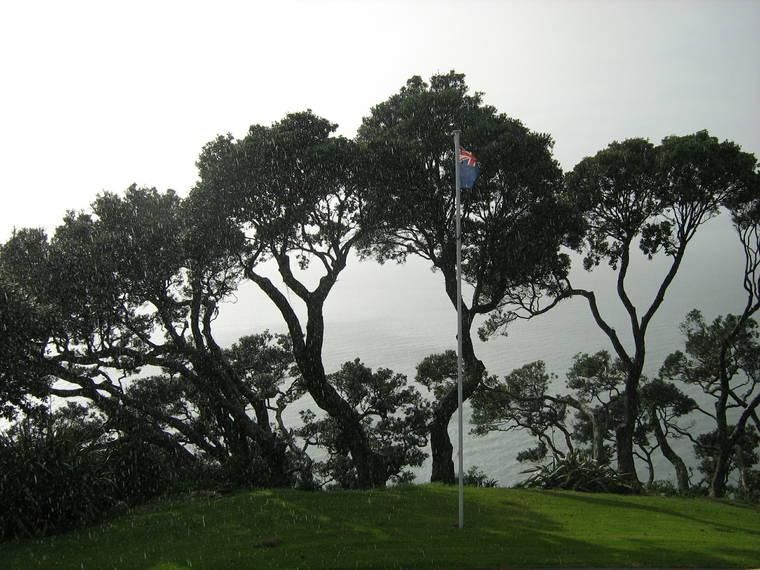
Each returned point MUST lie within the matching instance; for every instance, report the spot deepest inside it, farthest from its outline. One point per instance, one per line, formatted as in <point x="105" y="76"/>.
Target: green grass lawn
<point x="408" y="527"/>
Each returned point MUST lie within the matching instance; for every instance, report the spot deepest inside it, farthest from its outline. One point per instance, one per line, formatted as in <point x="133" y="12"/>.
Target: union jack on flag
<point x="468" y="169"/>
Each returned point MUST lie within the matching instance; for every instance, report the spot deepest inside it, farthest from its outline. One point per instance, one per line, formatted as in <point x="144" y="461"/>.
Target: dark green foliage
<point x="533" y="454"/>
<point x="51" y="480"/>
<point x="291" y="190"/>
<point x="20" y="377"/>
<point x="524" y="400"/>
<point x="290" y="186"/>
<point x="701" y="363"/>
<point x="127" y="286"/>
<point x="618" y="190"/>
<point x="265" y="363"/>
<point x="661" y="193"/>
<point x="475" y="477"/>
<point x="666" y="396"/>
<point x="723" y="359"/>
<point x="520" y="401"/>
<point x="577" y="472"/>
<point x="438" y="373"/>
<point x="394" y="417"/>
<point x="138" y="471"/>
<point x="514" y="220"/>
<point x="745" y="454"/>
<point x="60" y="471"/>
<point x="635" y="194"/>
<point x="663" y="488"/>
<point x="662" y="404"/>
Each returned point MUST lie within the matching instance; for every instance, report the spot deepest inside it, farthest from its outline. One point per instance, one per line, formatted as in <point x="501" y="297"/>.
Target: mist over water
<point x="393" y="316"/>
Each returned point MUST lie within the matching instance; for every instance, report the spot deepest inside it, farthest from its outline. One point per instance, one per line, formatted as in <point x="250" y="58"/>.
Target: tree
<point x="265" y="363"/>
<point x="595" y="380"/>
<point x="393" y="414"/>
<point x="104" y="286"/>
<point x="513" y="220"/>
<point x="723" y="359"/>
<point x="290" y="191"/>
<point x="22" y="329"/>
<point x="655" y="197"/>
<point x="662" y="403"/>
<point x="523" y="401"/>
<point x="744" y="453"/>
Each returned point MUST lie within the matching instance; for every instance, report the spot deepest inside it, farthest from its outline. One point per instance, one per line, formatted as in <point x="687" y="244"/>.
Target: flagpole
<point x="459" y="328"/>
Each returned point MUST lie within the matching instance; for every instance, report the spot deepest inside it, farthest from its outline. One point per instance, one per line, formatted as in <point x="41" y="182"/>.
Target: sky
<point x="98" y="95"/>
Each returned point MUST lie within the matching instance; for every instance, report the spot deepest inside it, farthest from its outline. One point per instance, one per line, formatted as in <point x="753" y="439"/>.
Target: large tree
<point x="513" y="220"/>
<point x="133" y="284"/>
<point x="654" y="198"/>
<point x="290" y="190"/>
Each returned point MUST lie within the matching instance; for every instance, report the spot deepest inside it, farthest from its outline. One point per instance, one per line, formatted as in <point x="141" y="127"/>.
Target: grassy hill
<point x="408" y="527"/>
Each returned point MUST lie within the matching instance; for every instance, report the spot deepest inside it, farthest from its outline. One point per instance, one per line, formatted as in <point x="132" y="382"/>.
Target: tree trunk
<point x="597" y="449"/>
<point x="274" y="454"/>
<point x="682" y="473"/>
<point x="442" y="449"/>
<point x="598" y="430"/>
<point x="741" y="467"/>
<point x="720" y="475"/>
<point x="307" y="349"/>
<point x="369" y="466"/>
<point x="625" y="430"/>
<point x="624" y="443"/>
<point x="440" y="443"/>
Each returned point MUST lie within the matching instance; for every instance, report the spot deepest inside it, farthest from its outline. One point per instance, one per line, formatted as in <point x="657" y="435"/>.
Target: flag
<point x="468" y="169"/>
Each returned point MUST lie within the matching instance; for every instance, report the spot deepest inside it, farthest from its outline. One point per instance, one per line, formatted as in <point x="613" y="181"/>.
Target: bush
<point x="474" y="477"/>
<point x="664" y="488"/>
<point x="50" y="483"/>
<point x="60" y="472"/>
<point x="138" y="472"/>
<point x="577" y="472"/>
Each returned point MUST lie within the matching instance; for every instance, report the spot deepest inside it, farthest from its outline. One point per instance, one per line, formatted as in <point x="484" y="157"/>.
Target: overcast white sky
<point x="97" y="95"/>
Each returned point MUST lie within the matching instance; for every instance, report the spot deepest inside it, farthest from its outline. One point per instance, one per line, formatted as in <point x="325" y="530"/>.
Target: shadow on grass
<point x="552" y="544"/>
<point x="624" y="503"/>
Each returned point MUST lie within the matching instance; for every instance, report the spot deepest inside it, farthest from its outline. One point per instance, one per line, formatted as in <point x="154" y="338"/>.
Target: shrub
<point x="576" y="471"/>
<point x="51" y="482"/>
<point x="61" y="472"/>
<point x="138" y="472"/>
<point x="474" y="477"/>
<point x="666" y="488"/>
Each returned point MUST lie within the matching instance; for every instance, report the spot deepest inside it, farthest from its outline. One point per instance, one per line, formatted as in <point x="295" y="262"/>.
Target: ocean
<point x="393" y="316"/>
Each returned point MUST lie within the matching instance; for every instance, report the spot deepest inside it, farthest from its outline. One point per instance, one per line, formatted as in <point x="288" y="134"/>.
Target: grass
<point x="408" y="527"/>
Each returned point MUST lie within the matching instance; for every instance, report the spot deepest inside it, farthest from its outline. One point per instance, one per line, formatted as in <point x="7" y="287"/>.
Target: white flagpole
<point x="459" y="329"/>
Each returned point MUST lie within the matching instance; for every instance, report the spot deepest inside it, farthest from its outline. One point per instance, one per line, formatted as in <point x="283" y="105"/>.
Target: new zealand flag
<point x="468" y="169"/>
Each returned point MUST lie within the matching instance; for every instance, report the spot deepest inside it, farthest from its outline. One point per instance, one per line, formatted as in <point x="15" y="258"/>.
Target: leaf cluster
<point x="393" y="414"/>
<point x="656" y="195"/>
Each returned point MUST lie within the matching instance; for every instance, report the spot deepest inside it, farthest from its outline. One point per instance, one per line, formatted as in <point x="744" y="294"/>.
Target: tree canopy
<point x="513" y="221"/>
<point x="635" y="194"/>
